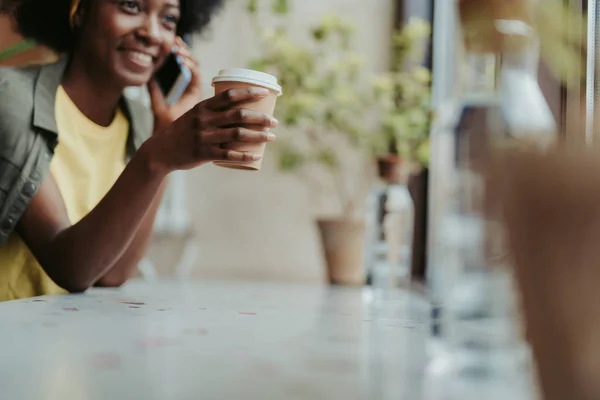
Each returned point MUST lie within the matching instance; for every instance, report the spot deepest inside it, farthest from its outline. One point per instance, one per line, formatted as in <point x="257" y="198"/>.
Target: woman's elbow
<point x="82" y="286"/>
<point x="79" y="283"/>
<point x="111" y="282"/>
<point x="73" y="286"/>
<point x="76" y="289"/>
<point x="72" y="283"/>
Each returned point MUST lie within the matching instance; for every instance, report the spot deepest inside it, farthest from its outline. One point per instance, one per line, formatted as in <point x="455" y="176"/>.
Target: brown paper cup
<point x="228" y="80"/>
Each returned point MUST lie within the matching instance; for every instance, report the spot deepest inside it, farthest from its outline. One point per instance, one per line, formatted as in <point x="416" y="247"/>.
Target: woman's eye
<point x="171" y="20"/>
<point x="131" y="6"/>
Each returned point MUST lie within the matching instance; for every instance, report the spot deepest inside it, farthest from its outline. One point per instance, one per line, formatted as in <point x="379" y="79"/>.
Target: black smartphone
<point x="173" y="78"/>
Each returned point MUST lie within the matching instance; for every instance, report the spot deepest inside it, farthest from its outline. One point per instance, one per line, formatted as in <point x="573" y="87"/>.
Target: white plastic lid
<point x="248" y="76"/>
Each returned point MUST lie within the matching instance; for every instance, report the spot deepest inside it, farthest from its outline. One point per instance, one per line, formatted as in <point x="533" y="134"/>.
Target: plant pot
<point x="343" y="246"/>
<point x="388" y="167"/>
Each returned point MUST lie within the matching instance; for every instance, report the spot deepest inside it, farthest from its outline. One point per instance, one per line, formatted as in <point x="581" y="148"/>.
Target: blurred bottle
<point x="392" y="260"/>
<point x="458" y="138"/>
<point x="398" y="227"/>
<point x="375" y="243"/>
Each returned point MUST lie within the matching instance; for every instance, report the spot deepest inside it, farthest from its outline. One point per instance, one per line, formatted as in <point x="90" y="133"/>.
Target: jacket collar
<point x="44" y="98"/>
<point x="46" y="85"/>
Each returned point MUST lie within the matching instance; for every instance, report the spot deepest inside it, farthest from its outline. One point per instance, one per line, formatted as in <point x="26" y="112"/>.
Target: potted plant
<point x="342" y="120"/>
<point x="405" y="97"/>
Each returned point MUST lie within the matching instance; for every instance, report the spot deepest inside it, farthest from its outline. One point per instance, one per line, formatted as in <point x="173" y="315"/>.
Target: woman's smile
<point x="138" y="61"/>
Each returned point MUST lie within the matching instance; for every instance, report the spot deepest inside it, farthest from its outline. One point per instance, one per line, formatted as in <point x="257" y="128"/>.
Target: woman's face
<point x="128" y="40"/>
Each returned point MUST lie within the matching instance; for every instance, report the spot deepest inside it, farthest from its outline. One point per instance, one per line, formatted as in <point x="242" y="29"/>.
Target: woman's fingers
<point x="181" y="44"/>
<point x="190" y="63"/>
<point x="187" y="59"/>
<point x="218" y="153"/>
<point x="193" y="91"/>
<point x="184" y="52"/>
<point x="235" y="135"/>
<point x="234" y="97"/>
<point x="195" y="81"/>
<point x="242" y="116"/>
<point x="157" y="99"/>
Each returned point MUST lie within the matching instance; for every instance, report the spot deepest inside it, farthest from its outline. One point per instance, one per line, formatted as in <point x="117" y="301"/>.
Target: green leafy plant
<point x="404" y="94"/>
<point x="333" y="103"/>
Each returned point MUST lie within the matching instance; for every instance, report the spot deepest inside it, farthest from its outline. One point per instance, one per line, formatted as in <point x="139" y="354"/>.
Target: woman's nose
<point x="151" y="31"/>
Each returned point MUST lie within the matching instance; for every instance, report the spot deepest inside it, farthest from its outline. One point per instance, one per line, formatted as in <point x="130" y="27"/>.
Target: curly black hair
<point x="47" y="21"/>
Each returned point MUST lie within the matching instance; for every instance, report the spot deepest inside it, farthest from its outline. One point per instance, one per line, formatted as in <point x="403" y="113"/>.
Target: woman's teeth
<point x="141" y="57"/>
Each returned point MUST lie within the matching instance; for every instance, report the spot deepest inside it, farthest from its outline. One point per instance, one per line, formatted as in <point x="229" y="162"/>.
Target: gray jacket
<point x="28" y="134"/>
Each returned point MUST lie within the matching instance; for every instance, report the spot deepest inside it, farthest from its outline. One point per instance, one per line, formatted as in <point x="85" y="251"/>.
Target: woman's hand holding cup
<point x="202" y="134"/>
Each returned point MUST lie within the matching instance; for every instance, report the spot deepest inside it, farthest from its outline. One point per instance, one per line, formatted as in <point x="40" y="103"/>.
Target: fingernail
<point x="270" y="137"/>
<point x="260" y="91"/>
<point x="274" y="122"/>
<point x="256" y="157"/>
<point x="174" y="48"/>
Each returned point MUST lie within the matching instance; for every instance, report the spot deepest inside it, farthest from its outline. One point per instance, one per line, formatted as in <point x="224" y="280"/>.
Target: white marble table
<point x="206" y="341"/>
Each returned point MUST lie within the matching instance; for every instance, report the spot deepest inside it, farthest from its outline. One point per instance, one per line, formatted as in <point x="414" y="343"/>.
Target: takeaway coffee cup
<point x="239" y="77"/>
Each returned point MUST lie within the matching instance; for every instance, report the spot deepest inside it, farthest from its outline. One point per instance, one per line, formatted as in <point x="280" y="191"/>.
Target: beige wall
<point x="259" y="225"/>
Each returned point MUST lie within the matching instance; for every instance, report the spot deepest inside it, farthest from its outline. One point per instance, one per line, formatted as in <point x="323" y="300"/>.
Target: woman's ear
<point x="78" y="18"/>
<point x="76" y="14"/>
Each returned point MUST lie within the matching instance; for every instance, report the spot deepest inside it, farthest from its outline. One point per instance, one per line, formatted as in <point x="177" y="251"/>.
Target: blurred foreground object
<point x="558" y="26"/>
<point x="551" y="204"/>
<point x="500" y="107"/>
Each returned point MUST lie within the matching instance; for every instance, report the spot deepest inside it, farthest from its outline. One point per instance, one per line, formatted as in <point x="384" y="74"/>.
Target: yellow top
<point x="87" y="161"/>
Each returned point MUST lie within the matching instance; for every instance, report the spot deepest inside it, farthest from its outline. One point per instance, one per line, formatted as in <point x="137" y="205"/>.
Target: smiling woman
<point x="64" y="26"/>
<point x="82" y="168"/>
<point x="48" y="21"/>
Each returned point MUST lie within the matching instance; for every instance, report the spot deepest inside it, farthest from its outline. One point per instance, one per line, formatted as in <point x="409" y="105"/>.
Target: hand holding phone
<point x="176" y="86"/>
<point x="173" y="78"/>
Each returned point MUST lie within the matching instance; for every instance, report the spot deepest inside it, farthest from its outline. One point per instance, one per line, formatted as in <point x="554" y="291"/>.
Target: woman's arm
<point x="127" y="264"/>
<point x="77" y="256"/>
<point x="164" y="115"/>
